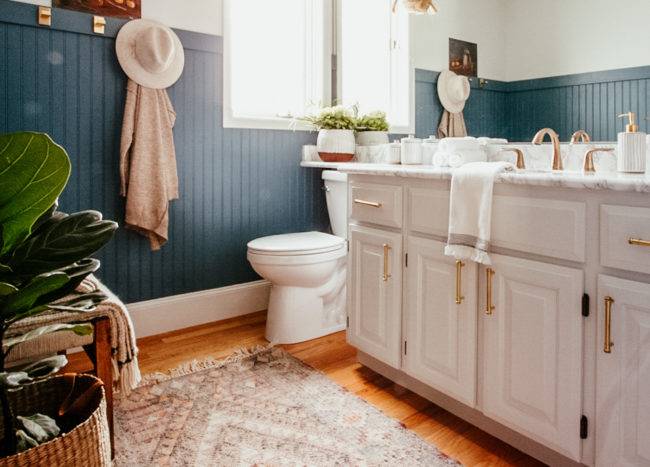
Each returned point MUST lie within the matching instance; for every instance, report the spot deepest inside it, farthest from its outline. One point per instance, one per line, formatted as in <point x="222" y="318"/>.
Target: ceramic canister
<point x="411" y="150"/>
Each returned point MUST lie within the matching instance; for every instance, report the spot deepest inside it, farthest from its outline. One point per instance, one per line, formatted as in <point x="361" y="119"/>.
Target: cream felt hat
<point x="150" y="53"/>
<point x="453" y="91"/>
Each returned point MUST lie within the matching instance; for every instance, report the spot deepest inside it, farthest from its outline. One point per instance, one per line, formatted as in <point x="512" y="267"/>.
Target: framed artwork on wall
<point x="117" y="8"/>
<point x="463" y="57"/>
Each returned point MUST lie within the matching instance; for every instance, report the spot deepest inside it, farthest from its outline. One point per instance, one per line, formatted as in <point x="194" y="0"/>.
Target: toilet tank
<point x="336" y="193"/>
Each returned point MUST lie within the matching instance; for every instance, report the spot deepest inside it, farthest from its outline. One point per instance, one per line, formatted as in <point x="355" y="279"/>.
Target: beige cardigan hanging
<point x="148" y="162"/>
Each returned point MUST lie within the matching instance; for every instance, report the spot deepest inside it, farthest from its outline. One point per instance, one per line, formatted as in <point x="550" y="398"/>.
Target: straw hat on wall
<point x="150" y="53"/>
<point x="453" y="91"/>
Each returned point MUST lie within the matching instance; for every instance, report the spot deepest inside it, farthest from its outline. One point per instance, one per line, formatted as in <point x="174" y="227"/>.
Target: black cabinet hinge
<point x="585" y="305"/>
<point x="347" y="321"/>
<point x="404" y="347"/>
<point x="584" y="427"/>
<point x="406" y="260"/>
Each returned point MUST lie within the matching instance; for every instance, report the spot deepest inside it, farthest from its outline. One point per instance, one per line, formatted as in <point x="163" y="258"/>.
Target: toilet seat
<point x="296" y="244"/>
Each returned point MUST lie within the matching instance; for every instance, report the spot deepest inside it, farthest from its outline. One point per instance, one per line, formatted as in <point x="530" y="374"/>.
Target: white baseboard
<point x="191" y="309"/>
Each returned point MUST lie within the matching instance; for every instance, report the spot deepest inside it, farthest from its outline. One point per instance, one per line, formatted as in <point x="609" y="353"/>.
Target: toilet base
<point x="298" y="314"/>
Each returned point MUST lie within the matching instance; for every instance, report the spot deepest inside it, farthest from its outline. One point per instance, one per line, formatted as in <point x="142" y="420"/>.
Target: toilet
<point x="307" y="271"/>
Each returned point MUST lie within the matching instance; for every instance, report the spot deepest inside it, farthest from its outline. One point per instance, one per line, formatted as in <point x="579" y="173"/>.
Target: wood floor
<point x="334" y="357"/>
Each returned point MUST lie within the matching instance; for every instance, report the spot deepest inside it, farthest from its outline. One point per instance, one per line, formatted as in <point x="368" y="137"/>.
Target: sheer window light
<point x="277" y="60"/>
<point x="375" y="69"/>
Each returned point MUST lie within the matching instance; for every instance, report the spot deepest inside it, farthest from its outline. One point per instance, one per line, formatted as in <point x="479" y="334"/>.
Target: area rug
<point x="260" y="407"/>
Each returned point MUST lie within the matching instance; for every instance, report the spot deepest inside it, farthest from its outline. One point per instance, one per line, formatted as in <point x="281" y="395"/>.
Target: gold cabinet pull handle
<point x="638" y="242"/>
<point x="386" y="275"/>
<point x="489" y="308"/>
<point x="459" y="284"/>
<point x="367" y="203"/>
<point x="607" y="348"/>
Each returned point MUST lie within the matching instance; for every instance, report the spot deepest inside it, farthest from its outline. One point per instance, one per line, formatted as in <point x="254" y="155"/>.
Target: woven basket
<point x="86" y="445"/>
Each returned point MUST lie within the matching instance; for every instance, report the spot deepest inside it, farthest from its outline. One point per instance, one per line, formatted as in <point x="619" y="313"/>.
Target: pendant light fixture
<point x="418" y="6"/>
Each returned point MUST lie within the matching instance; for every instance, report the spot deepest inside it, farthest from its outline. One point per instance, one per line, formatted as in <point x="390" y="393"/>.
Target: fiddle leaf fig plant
<point x="44" y="256"/>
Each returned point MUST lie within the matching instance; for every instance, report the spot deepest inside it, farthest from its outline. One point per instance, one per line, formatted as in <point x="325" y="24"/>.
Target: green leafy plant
<point x="332" y="118"/>
<point x="44" y="256"/>
<point x="372" y="121"/>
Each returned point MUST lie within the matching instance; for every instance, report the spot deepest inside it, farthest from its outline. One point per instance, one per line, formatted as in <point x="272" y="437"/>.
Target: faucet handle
<point x="580" y="136"/>
<point x="589" y="159"/>
<point x="520" y="164"/>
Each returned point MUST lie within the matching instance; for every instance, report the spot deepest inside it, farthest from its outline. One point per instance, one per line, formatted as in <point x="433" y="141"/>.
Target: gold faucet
<point x="555" y="139"/>
<point x="580" y="136"/>
<point x="520" y="156"/>
<point x="589" y="158"/>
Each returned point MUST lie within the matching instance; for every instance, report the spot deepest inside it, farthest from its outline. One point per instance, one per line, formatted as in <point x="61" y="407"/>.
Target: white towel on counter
<point x="470" y="210"/>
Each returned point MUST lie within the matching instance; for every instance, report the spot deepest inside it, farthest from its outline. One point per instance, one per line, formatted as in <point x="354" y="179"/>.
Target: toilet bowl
<point x="307" y="271"/>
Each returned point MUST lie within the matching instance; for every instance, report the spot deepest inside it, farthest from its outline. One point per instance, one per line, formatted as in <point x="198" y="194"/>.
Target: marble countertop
<point x="639" y="183"/>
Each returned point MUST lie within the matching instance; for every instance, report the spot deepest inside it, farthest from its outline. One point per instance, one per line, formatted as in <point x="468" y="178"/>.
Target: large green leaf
<point x="39" y="427"/>
<point x="34" y="371"/>
<point x="27" y="297"/>
<point x="60" y="241"/>
<point x="79" y="329"/>
<point x="33" y="172"/>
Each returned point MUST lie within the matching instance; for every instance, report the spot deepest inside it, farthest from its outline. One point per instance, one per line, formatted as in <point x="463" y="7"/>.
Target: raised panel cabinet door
<point x="623" y="373"/>
<point x="441" y="321"/>
<point x="532" y="331"/>
<point x="376" y="293"/>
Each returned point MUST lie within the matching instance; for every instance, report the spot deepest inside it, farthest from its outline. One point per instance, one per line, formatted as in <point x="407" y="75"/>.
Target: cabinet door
<point x="623" y="374"/>
<point x="441" y="333"/>
<point x="375" y="273"/>
<point x="532" y="350"/>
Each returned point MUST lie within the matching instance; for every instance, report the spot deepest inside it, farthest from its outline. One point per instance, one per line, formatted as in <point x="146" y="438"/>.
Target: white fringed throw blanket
<point x="126" y="372"/>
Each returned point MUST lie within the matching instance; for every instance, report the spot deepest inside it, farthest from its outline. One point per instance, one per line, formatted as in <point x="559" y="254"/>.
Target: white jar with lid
<point x="429" y="148"/>
<point x="411" y="150"/>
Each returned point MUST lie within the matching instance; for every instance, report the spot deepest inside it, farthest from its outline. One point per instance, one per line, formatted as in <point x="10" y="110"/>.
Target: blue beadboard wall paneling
<point x="236" y="185"/>
<point x="485" y="112"/>
<point x="589" y="101"/>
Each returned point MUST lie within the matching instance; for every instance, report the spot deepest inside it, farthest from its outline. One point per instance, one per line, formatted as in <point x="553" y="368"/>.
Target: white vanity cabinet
<point x="516" y="348"/>
<point x="623" y="373"/>
<point x="440" y="321"/>
<point x="532" y="349"/>
<point x="375" y="278"/>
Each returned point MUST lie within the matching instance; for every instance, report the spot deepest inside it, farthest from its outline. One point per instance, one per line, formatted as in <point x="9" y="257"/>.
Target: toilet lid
<point x="296" y="244"/>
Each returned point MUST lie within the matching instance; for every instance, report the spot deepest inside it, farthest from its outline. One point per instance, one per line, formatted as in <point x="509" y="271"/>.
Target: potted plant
<point x="372" y="129"/>
<point x="44" y="256"/>
<point x="335" y="126"/>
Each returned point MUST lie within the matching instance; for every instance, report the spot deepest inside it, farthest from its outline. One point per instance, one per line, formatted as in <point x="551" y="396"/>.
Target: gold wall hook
<point x="99" y="24"/>
<point x="44" y="16"/>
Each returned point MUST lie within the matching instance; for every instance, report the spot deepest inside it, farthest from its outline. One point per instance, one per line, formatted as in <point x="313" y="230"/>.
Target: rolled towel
<point x="441" y="159"/>
<point x="484" y="140"/>
<point x="466" y="156"/>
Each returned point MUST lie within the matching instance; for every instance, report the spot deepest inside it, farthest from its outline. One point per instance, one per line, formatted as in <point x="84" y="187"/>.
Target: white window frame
<point x="230" y="120"/>
<point x="397" y="129"/>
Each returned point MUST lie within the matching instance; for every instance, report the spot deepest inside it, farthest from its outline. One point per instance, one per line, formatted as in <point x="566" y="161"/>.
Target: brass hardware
<point x="368" y="203"/>
<point x="489" y="308"/>
<point x="608" y="325"/>
<point x="482" y="82"/>
<point x="580" y="136"/>
<point x="631" y="127"/>
<point x="44" y="16"/>
<point x="520" y="156"/>
<point x="99" y="24"/>
<point x="589" y="158"/>
<point x="555" y="139"/>
<point x="638" y="242"/>
<point x="386" y="275"/>
<point x="459" y="282"/>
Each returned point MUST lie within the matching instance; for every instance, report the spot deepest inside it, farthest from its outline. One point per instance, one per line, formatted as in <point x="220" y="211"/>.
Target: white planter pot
<point x="336" y="145"/>
<point x="372" y="138"/>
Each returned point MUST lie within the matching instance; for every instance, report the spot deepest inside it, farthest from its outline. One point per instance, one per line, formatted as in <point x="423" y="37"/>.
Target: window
<point x="277" y="60"/>
<point x="374" y="63"/>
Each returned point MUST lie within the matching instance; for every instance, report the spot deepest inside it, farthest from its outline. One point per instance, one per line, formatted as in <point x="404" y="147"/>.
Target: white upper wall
<point x="480" y="21"/>
<point x="192" y="15"/>
<point x="561" y="37"/>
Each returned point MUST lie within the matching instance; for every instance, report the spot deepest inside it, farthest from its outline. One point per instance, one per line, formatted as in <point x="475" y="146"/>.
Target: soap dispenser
<point x="631" y="154"/>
